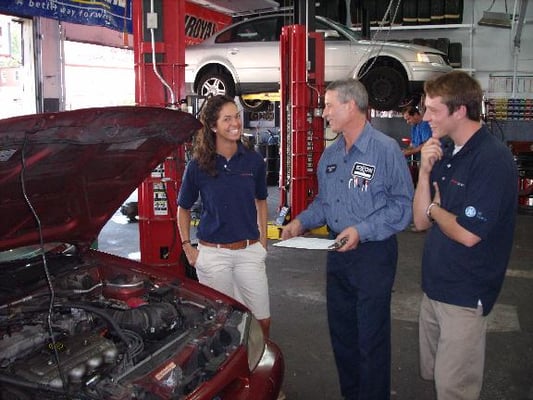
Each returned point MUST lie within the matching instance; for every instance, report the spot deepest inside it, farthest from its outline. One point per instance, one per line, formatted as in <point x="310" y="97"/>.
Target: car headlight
<point x="432" y="58"/>
<point x="252" y="336"/>
<point x="422" y="57"/>
<point x="255" y="344"/>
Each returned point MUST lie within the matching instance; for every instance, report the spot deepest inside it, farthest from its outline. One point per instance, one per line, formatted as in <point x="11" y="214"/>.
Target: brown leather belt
<point x="241" y="244"/>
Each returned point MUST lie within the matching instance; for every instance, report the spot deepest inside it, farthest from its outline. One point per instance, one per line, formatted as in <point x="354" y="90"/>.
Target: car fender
<point x="404" y="54"/>
<point x="193" y="74"/>
<point x="382" y="55"/>
<point x="382" y="59"/>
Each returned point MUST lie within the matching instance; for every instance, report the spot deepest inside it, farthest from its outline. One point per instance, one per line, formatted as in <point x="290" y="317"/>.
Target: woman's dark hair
<point x="204" y="144"/>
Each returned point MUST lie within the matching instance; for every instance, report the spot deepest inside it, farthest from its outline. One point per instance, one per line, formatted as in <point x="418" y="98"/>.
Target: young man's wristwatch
<point x="428" y="210"/>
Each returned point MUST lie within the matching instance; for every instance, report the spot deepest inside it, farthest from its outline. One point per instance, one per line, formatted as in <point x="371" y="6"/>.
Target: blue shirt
<point x="369" y="188"/>
<point x="420" y="133"/>
<point x="229" y="212"/>
<point x="479" y="184"/>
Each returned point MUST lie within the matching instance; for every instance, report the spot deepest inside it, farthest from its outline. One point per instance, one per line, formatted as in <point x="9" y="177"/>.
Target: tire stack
<point x="424" y="12"/>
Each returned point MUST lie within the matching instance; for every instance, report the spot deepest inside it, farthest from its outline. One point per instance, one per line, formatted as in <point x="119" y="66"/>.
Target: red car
<point x="78" y="323"/>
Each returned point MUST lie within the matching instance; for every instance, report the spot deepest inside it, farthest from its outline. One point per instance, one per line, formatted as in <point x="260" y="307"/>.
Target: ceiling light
<point x="496" y="19"/>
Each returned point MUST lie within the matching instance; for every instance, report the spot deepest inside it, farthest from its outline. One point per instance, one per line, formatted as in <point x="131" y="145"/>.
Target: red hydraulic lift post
<point x="302" y="129"/>
<point x="159" y="53"/>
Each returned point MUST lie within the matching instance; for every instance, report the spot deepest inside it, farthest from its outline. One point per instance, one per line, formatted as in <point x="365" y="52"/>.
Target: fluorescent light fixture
<point x="496" y="19"/>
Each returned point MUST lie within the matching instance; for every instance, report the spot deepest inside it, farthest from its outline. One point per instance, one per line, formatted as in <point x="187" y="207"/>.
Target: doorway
<point x="17" y="71"/>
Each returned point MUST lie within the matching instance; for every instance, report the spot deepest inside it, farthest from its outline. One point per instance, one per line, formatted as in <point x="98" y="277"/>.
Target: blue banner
<point x="113" y="14"/>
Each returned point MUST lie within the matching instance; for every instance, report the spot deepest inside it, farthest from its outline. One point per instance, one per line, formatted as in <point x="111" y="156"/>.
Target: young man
<point x="365" y="195"/>
<point x="467" y="197"/>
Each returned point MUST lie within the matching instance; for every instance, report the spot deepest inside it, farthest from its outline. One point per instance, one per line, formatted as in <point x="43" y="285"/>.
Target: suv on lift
<point x="244" y="58"/>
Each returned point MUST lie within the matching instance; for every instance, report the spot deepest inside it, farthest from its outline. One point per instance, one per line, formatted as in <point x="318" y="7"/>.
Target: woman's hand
<point x="191" y="252"/>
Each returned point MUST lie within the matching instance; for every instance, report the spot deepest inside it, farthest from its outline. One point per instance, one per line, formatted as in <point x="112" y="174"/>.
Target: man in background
<point x="420" y="131"/>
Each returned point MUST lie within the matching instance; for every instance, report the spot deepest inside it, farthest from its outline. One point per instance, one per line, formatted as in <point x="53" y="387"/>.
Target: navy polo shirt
<point x="479" y="184"/>
<point x="228" y="200"/>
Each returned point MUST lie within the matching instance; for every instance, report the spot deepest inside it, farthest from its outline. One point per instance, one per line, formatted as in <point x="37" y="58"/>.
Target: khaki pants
<point x="452" y="348"/>
<point x="240" y="274"/>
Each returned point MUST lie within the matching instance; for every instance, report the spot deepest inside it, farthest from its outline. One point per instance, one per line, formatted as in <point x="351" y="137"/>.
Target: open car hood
<point x="63" y="175"/>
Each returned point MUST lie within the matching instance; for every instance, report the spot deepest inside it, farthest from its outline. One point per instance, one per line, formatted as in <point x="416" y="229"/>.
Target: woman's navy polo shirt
<point x="228" y="200"/>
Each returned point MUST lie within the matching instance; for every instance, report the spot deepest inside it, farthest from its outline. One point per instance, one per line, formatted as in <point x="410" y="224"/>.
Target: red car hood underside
<point x="75" y="168"/>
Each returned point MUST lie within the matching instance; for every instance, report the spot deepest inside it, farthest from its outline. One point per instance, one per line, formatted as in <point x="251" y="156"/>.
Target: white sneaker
<point x="281" y="395"/>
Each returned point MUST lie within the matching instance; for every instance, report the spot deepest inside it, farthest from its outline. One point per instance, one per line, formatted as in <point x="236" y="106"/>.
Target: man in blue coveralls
<point x="420" y="131"/>
<point x="467" y="197"/>
<point x="365" y="195"/>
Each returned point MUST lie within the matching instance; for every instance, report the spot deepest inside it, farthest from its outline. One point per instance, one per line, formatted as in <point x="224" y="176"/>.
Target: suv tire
<point x="386" y="88"/>
<point x="213" y="83"/>
<point x="254" y="105"/>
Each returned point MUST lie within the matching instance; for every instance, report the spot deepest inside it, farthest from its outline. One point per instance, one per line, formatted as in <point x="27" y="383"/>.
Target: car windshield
<point x="21" y="269"/>
<point x="342" y="28"/>
<point x="29" y="252"/>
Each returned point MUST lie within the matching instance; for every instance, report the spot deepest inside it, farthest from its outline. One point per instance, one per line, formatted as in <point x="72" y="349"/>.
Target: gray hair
<point x="351" y="89"/>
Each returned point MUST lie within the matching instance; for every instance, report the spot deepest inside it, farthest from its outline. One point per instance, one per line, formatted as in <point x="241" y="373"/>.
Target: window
<point x="263" y="30"/>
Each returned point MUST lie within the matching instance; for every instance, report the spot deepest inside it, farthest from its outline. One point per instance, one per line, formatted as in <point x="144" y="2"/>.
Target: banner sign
<point x="200" y="23"/>
<point x="113" y="14"/>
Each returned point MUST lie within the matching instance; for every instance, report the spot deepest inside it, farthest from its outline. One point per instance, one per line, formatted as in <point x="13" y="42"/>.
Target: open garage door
<point x="98" y="76"/>
<point x="17" y="72"/>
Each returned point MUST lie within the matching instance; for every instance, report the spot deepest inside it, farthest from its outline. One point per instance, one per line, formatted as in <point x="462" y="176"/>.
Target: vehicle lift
<point x="159" y="54"/>
<point x="302" y="125"/>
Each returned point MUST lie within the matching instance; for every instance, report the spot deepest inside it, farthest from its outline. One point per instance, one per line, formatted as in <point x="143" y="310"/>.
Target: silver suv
<point x="244" y="58"/>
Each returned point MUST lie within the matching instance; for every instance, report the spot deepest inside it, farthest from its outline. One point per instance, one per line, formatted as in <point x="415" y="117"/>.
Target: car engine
<point x="101" y="332"/>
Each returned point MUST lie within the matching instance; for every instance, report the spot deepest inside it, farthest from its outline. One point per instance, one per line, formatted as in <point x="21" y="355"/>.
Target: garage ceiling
<point x="237" y="6"/>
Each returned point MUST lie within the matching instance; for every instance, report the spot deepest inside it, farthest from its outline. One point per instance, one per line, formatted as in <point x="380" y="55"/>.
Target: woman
<point x="231" y="181"/>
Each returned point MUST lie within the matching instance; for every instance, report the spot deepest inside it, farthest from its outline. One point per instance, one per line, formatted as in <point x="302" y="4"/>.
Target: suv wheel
<point x="386" y="88"/>
<point x="213" y="83"/>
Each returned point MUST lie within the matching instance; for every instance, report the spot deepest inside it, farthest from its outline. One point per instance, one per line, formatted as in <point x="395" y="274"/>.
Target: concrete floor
<point x="299" y="325"/>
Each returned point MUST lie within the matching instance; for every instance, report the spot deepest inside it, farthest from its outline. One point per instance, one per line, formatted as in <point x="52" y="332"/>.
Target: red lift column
<point x="302" y="127"/>
<point x="159" y="50"/>
<point x="166" y="21"/>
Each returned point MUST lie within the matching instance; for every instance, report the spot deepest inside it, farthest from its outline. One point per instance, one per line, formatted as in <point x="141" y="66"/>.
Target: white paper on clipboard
<point x="302" y="242"/>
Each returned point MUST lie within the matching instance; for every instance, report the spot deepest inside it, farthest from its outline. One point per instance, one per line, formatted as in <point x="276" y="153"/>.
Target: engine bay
<point x="96" y="328"/>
